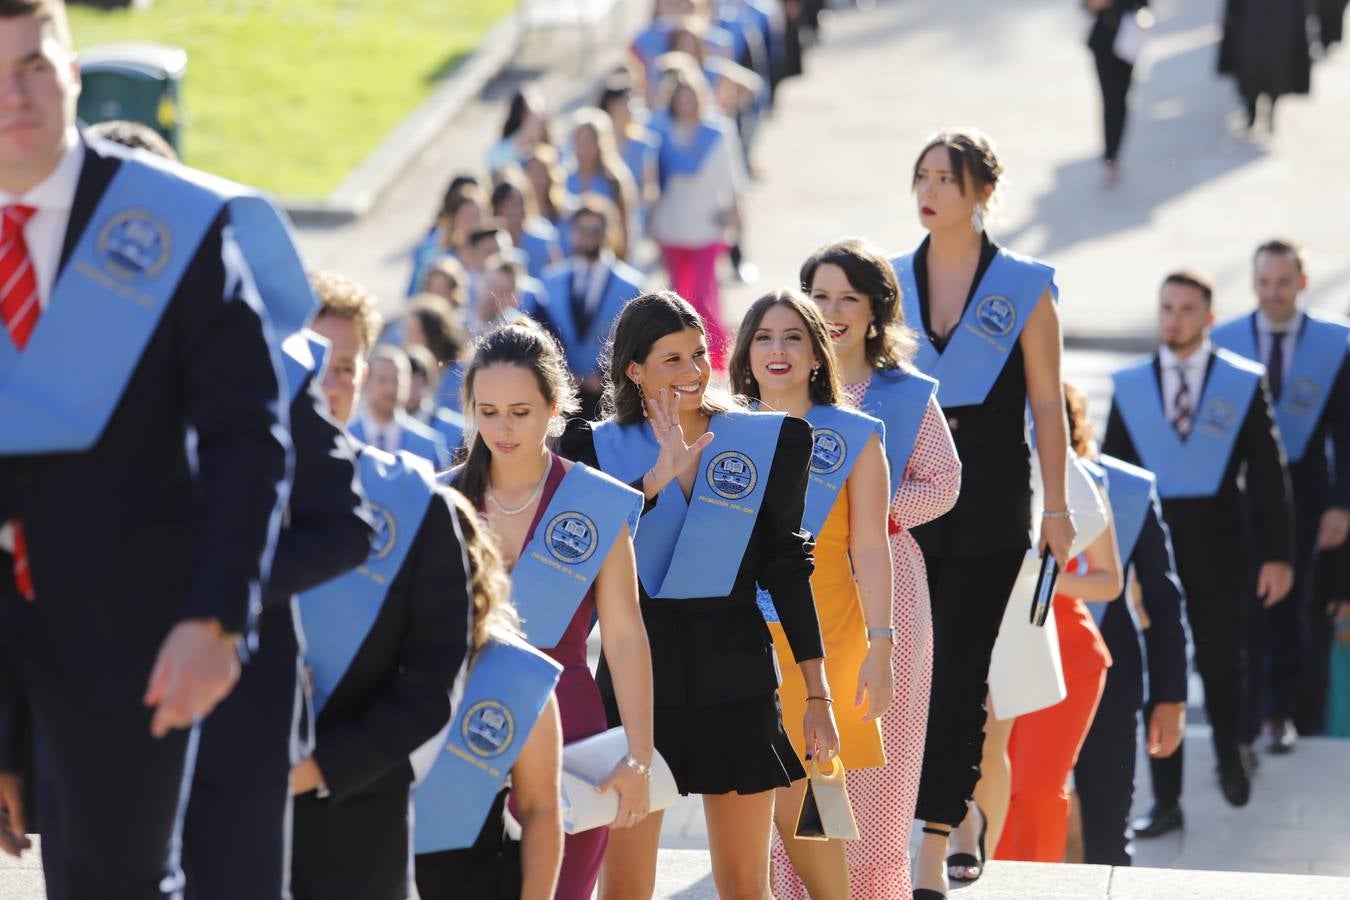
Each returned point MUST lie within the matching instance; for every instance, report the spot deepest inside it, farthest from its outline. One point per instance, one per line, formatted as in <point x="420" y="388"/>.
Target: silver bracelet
<point x="1057" y="513"/>
<point x="631" y="762"/>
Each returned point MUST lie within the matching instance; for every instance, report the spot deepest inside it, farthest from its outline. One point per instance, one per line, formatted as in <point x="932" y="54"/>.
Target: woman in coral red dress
<point x="856" y="290"/>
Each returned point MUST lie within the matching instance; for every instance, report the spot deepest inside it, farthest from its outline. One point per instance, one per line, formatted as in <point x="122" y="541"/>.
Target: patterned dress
<point x="883" y="799"/>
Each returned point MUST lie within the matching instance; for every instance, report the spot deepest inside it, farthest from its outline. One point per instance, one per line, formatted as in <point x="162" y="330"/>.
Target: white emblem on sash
<point x="134" y="244"/>
<point x="386" y="532"/>
<point x="1219" y="416"/>
<point x="1304" y="395"/>
<point x="731" y="475"/>
<point x="570" y="538"/>
<point x="997" y="315"/>
<point x="829" y="450"/>
<point x="488" y="729"/>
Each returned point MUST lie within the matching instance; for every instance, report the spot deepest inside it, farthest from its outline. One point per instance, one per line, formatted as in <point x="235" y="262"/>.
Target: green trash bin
<point x="139" y="82"/>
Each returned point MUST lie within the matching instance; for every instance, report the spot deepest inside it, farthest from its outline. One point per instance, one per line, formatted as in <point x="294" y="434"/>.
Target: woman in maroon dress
<point x="516" y="392"/>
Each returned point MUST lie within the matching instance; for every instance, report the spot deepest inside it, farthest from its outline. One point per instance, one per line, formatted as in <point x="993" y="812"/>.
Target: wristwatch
<point x="887" y="633"/>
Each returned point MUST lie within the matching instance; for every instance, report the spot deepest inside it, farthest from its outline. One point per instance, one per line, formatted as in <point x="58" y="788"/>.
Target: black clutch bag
<point x="1044" y="594"/>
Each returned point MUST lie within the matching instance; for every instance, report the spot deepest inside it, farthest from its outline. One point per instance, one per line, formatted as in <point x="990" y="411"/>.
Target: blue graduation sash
<point x="506" y="691"/>
<point x="538" y="239"/>
<point x="303" y="354"/>
<point x="989" y="327"/>
<point x="585" y="349"/>
<point x="837" y="437"/>
<point x="1193" y="467"/>
<point x="695" y="549"/>
<point x="675" y="158"/>
<point x="59" y="393"/>
<point x="1129" y="490"/>
<point x="595" y="185"/>
<point x="338" y="615"/>
<point x="638" y="153"/>
<point x="898" y="397"/>
<point x="1318" y="356"/>
<point x="563" y="557"/>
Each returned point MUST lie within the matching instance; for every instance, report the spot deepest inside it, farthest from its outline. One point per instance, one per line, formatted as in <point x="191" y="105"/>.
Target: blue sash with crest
<point x="694" y="549"/>
<point x="338" y="615"/>
<point x="989" y="327"/>
<point x="675" y="158"/>
<point x="562" y="559"/>
<point x="584" y="348"/>
<point x="1193" y="467"/>
<point x="506" y="691"/>
<point x="898" y="397"/>
<point x="303" y="354"/>
<point x="108" y="300"/>
<point x="1318" y="357"/>
<point x="837" y="438"/>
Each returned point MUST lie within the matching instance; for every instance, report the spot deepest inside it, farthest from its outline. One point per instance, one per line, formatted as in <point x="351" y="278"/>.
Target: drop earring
<point x="814" y="373"/>
<point x="642" y="398"/>
<point x="872" y="330"/>
<point x="977" y="219"/>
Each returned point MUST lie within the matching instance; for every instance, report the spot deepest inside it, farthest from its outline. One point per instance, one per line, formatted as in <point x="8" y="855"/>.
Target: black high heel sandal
<point x="966" y="860"/>
<point x="929" y="893"/>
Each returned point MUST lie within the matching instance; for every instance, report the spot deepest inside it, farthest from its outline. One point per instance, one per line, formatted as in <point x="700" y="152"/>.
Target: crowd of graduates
<point x="806" y="538"/>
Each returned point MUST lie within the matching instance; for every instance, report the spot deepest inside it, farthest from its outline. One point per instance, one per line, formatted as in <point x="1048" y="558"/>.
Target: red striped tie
<point x="19" y="307"/>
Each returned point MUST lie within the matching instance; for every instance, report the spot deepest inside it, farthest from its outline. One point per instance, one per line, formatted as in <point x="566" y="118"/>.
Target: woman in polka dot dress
<point x="855" y="288"/>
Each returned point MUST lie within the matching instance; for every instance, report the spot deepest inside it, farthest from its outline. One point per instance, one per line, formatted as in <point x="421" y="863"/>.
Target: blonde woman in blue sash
<point x="991" y="337"/>
<point x="854" y="287"/>
<point x="725" y="491"/>
<point x="460" y="799"/>
<point x="565" y="531"/>
<point x="783" y="360"/>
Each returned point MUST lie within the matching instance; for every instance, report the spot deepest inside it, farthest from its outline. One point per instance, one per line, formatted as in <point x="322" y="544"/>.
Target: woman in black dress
<point x="991" y="337"/>
<point x="717" y="719"/>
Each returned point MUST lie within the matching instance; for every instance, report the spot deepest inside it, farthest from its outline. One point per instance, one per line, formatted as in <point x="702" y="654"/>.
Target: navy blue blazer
<point x="1257" y="468"/>
<point x="255" y="733"/>
<point x="126" y="535"/>
<point x="396" y="693"/>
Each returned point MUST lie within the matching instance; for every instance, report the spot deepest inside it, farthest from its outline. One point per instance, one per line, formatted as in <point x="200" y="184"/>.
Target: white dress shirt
<point x="1266" y="331"/>
<point x="1193" y="366"/>
<point x="52" y="197"/>
<point x="391" y="432"/>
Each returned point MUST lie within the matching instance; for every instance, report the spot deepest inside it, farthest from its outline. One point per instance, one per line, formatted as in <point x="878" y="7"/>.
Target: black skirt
<point x="735" y="746"/>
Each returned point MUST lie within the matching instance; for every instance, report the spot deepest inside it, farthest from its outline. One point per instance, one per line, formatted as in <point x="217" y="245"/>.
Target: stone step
<point x="684" y="875"/>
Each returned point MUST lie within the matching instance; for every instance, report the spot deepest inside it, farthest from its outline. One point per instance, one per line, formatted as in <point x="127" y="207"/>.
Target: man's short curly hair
<point x="341" y="297"/>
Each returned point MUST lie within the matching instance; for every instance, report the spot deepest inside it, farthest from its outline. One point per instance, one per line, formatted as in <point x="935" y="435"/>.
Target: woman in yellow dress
<point x="784" y="359"/>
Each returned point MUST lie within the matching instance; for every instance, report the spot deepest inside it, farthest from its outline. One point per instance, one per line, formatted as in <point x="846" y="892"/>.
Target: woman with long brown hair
<point x="784" y="362"/>
<point x="565" y="531"/>
<point x="726" y="490"/>
<point x="855" y="289"/>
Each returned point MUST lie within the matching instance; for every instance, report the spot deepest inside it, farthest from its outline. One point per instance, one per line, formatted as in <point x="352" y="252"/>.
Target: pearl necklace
<point x="538" y="489"/>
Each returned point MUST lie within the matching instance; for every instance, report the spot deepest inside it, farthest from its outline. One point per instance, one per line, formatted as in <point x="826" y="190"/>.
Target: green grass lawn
<point x="289" y="95"/>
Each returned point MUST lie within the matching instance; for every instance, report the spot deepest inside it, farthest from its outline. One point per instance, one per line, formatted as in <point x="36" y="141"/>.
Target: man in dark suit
<point x="1199" y="418"/>
<point x="584" y="295"/>
<point x="392" y="690"/>
<point x="139" y="565"/>
<point x="240" y="809"/>
<point x="1104" y="774"/>
<point x="1304" y="354"/>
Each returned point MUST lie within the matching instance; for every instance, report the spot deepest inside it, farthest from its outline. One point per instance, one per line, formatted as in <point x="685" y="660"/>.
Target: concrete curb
<point x="363" y="186"/>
